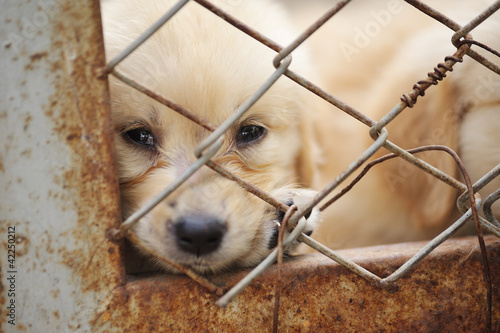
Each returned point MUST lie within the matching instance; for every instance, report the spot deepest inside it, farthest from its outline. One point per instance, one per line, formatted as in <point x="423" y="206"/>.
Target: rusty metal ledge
<point x="445" y="293"/>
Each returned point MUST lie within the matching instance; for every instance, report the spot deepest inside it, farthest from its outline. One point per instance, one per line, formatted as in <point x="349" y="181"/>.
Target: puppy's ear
<point x="432" y="121"/>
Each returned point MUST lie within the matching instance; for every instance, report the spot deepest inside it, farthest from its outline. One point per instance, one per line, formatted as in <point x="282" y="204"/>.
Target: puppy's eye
<point x="141" y="136"/>
<point x="250" y="133"/>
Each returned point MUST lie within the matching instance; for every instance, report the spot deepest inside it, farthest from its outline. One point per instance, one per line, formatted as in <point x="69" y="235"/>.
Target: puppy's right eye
<point x="250" y="133"/>
<point x="141" y="136"/>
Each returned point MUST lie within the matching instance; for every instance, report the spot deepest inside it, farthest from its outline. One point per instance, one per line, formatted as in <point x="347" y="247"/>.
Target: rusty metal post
<point x="58" y="186"/>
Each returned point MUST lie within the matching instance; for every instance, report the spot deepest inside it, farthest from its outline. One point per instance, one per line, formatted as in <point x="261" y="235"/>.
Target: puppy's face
<point x="209" y="223"/>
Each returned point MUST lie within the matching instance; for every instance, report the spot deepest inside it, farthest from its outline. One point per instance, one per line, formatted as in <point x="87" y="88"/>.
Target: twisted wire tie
<point x="433" y="79"/>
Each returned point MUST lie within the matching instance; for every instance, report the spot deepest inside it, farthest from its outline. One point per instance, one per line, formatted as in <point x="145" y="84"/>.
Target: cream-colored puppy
<point x="368" y="56"/>
<point x="202" y="63"/>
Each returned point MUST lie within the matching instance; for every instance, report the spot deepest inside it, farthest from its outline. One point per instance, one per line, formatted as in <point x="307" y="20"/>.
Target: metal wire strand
<point x="277" y="294"/>
<point x="487" y="207"/>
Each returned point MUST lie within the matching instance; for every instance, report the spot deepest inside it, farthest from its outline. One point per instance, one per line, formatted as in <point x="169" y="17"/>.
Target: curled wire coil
<point x="433" y="79"/>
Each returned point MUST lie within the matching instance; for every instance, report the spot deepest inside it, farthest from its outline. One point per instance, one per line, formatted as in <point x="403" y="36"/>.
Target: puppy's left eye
<point x="141" y="136"/>
<point x="250" y="133"/>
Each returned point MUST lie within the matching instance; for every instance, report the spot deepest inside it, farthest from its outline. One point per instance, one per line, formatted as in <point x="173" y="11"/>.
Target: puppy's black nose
<point x="199" y="234"/>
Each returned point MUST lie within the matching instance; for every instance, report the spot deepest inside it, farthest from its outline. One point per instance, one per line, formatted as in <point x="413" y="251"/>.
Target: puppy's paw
<point x="299" y="198"/>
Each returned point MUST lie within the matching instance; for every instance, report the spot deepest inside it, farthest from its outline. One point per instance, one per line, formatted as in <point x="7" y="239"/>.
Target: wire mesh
<point x="469" y="203"/>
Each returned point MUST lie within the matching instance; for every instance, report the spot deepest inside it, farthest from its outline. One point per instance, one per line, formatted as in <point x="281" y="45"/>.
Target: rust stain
<point x="118" y="298"/>
<point x="27" y="122"/>
<point x="26" y="153"/>
<point x="34" y="58"/>
<point x="21" y="327"/>
<point x="22" y="245"/>
<point x="79" y="111"/>
<point x="37" y="56"/>
<point x="55" y="293"/>
<point x="90" y="174"/>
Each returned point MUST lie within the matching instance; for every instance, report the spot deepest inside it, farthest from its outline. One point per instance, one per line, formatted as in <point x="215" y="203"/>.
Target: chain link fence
<point x="469" y="202"/>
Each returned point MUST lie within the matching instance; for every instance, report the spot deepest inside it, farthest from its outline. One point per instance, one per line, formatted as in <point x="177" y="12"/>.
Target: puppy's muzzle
<point x="199" y="234"/>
